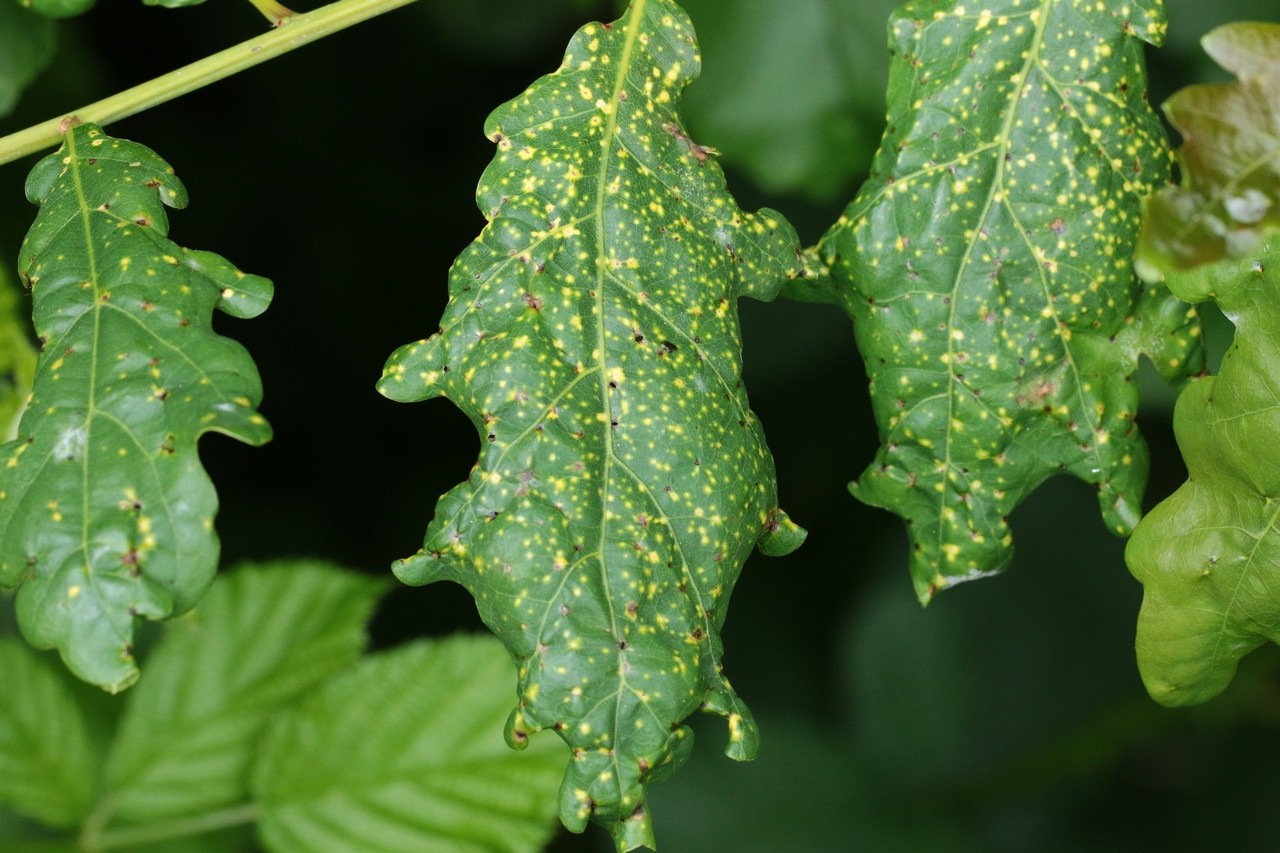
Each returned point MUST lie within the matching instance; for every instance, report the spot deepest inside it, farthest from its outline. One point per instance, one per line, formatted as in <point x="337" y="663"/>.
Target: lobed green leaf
<point x="106" y="515"/>
<point x="1207" y="556"/>
<point x="592" y="337"/>
<point x="263" y="637"/>
<point x="48" y="764"/>
<point x="987" y="266"/>
<point x="403" y="754"/>
<point x="1229" y="159"/>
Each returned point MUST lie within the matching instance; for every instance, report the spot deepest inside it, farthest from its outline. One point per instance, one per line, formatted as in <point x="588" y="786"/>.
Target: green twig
<point x="301" y="29"/>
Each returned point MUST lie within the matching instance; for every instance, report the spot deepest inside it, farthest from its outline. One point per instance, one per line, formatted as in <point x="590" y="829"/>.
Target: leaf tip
<point x="781" y="535"/>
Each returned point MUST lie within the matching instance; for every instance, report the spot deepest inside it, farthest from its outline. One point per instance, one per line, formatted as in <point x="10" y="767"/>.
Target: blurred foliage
<point x="1007" y="716"/>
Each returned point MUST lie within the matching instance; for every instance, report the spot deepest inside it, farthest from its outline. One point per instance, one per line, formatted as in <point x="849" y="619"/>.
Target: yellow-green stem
<point x="273" y="11"/>
<point x="301" y="29"/>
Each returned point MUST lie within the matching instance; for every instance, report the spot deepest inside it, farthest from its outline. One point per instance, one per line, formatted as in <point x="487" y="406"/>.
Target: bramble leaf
<point x="987" y="268"/>
<point x="106" y="515"/>
<point x="1230" y="158"/>
<point x="592" y="337"/>
<point x="1207" y="555"/>
<point x="263" y="637"/>
<point x="48" y="764"/>
<point x="402" y="753"/>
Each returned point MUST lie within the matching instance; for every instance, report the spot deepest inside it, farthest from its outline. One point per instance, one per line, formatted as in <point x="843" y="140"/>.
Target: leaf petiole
<point x="274" y="12"/>
<point x="302" y="29"/>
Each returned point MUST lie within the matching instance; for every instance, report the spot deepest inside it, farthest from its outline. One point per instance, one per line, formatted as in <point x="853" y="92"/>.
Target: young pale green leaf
<point x="987" y="268"/>
<point x="48" y="765"/>
<point x="106" y="515"/>
<point x="17" y="358"/>
<point x="26" y="46"/>
<point x="1207" y="556"/>
<point x="1230" y="158"/>
<point x="261" y="638"/>
<point x="403" y="754"/>
<point x="58" y="8"/>
<point x="592" y="337"/>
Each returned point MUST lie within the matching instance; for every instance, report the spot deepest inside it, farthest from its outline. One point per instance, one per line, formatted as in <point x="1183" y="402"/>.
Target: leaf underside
<point x="987" y="267"/>
<point x="1209" y="556"/>
<point x="592" y="337"/>
<point x="106" y="515"/>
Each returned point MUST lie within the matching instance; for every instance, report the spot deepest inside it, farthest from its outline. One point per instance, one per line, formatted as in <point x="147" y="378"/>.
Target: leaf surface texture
<point x="106" y="514"/>
<point x="403" y="753"/>
<point x="987" y="268"/>
<point x="262" y="638"/>
<point x="48" y="764"/>
<point x="592" y="337"/>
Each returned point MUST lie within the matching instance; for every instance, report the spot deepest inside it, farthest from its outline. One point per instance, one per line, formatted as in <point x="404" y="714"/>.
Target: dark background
<point x="1008" y="716"/>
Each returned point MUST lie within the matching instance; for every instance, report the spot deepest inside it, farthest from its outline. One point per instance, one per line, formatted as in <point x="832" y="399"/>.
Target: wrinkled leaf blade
<point x="106" y="515"/>
<point x="48" y="764"/>
<point x="592" y="337"/>
<point x="987" y="268"/>
<point x="1230" y="158"/>
<point x="263" y="637"/>
<point x="404" y="753"/>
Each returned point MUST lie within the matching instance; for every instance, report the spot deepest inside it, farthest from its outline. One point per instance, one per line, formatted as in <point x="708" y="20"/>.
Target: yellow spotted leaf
<point x="987" y="266"/>
<point x="106" y="514"/>
<point x="592" y="337"/>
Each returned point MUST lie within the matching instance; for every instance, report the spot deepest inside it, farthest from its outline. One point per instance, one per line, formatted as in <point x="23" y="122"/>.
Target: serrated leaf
<point x="403" y="754"/>
<point x="48" y="765"/>
<point x="1230" y="158"/>
<point x="58" y="8"/>
<point x="106" y="515"/>
<point x="987" y="268"/>
<point x="592" y="337"/>
<point x="1207" y="555"/>
<point x="263" y="637"/>
<point x="17" y="358"/>
<point x="26" y="46"/>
